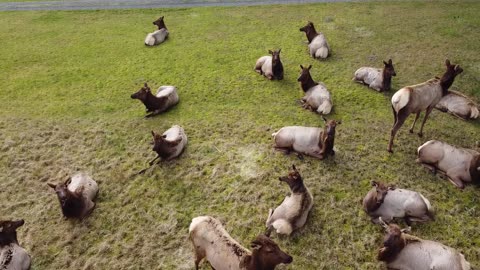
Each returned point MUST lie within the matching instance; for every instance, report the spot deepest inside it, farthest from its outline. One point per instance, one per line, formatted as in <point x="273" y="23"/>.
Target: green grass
<point x="66" y="81"/>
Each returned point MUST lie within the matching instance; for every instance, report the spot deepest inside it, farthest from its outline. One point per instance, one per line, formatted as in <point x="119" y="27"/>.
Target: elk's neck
<point x="446" y="81"/>
<point x="308" y="83"/>
<point x="311" y="35"/>
<point x="253" y="262"/>
<point x="162" y="25"/>
<point x="388" y="254"/>
<point x="386" y="80"/>
<point x="8" y="238"/>
<point x="370" y="204"/>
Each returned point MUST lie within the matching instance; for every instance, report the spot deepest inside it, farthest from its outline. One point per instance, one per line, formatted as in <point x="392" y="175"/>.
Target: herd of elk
<point x="383" y="203"/>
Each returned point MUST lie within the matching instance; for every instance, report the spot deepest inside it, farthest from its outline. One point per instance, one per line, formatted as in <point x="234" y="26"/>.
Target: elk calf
<point x="416" y="98"/>
<point x="270" y="66"/>
<point x="460" y="165"/>
<point x="159" y="35"/>
<point x="388" y="202"/>
<point x="403" y="251"/>
<point x="459" y="105"/>
<point x="317" y="43"/>
<point x="378" y="79"/>
<point x="12" y="255"/>
<point x="293" y="212"/>
<point x="317" y="98"/>
<point x="315" y="142"/>
<point x="210" y="240"/>
<point x="76" y="195"/>
<point x="170" y="144"/>
<point x="165" y="98"/>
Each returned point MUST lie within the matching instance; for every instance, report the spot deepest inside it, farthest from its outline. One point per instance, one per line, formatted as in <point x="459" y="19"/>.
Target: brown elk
<point x="159" y="35"/>
<point x="420" y="97"/>
<point x="317" y="43"/>
<point x="270" y="66"/>
<point x="12" y="255"/>
<point x="165" y="98"/>
<point x="317" y="98"/>
<point x="378" y="79"/>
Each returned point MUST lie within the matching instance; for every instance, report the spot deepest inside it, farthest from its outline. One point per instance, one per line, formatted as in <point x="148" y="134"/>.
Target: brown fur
<point x="328" y="137"/>
<point x="151" y="102"/>
<point x="394" y="241"/>
<point x="474" y="173"/>
<point x="387" y="72"/>
<point x="305" y="79"/>
<point x="160" y="23"/>
<point x="266" y="255"/>
<point x="8" y="231"/>
<point x="162" y="147"/>
<point x="310" y="31"/>
<point x="375" y="202"/>
<point x="71" y="203"/>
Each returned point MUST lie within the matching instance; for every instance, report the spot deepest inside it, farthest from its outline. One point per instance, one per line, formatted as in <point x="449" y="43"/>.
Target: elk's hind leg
<point x="400" y="118"/>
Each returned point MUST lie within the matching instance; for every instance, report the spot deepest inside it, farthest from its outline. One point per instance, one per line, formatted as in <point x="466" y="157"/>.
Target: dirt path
<point x="123" y="4"/>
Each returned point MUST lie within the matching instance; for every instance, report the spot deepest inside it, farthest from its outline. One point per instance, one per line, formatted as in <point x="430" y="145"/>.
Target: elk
<point x="12" y="255"/>
<point x="317" y="43"/>
<point x="378" y="79"/>
<point x="458" y="105"/>
<point x="159" y="35"/>
<point x="76" y="195"/>
<point x="311" y="141"/>
<point x="317" y="98"/>
<point x="388" y="202"/>
<point x="460" y="165"/>
<point x="293" y="212"/>
<point x="165" y="98"/>
<point x="211" y="241"/>
<point x="270" y="66"/>
<point x="404" y="251"/>
<point x="419" y="97"/>
<point x="170" y="144"/>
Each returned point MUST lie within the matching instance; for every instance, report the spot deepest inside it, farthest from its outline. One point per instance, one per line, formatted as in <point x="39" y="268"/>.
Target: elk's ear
<point x="390" y="61"/>
<point x="161" y="18"/>
<point x="385" y="63"/>
<point x="309" y="67"/>
<point x="145" y="85"/>
<point x="294" y="168"/>
<point x="324" y="119"/>
<point x="270" y="52"/>
<point x="153" y="134"/>
<point x="69" y="179"/>
<point x="406" y="230"/>
<point x="301" y="67"/>
<point x="447" y="63"/>
<point x="374" y="183"/>
<point x="51" y="185"/>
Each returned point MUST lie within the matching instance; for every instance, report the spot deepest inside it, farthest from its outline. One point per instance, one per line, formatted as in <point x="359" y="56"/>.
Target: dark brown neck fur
<point x="162" y="25"/>
<point x="326" y="142"/>
<point x="153" y="103"/>
<point x="446" y="81"/>
<point x="253" y="262"/>
<point x="371" y="205"/>
<point x="474" y="173"/>
<point x="73" y="206"/>
<point x="311" y="34"/>
<point x="8" y="238"/>
<point x="308" y="83"/>
<point x="386" y="80"/>
<point x="388" y="254"/>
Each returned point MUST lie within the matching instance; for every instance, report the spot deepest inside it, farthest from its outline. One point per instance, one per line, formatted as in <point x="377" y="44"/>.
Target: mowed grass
<point x="65" y="94"/>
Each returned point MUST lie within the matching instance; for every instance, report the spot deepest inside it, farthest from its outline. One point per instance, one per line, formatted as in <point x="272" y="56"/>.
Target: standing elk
<point x="165" y="98"/>
<point x="293" y="212"/>
<point x="311" y="141"/>
<point x="378" y="79"/>
<point x="270" y="66"/>
<point x="76" y="195"/>
<point x="406" y="252"/>
<point x="211" y="241"/>
<point x="460" y="165"/>
<point x="159" y="35"/>
<point x="12" y="255"/>
<point x="317" y="43"/>
<point x="389" y="202"/>
<point x="419" y="97"/>
<point x="317" y="98"/>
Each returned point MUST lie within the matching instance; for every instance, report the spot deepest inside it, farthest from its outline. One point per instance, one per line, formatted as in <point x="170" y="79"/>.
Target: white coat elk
<point x="12" y="255"/>
<point x="159" y="35"/>
<point x="403" y="251"/>
<point x="458" y="105"/>
<point x="270" y="66"/>
<point x="375" y="78"/>
<point x="293" y="212"/>
<point x="76" y="195"/>
<point x="211" y="241"/>
<point x="317" y="43"/>
<point x="165" y="98"/>
<point x="460" y="165"/>
<point x="170" y="144"/>
<point x="311" y="141"/>
<point x="317" y="98"/>
<point x="419" y="97"/>
<point x="388" y="202"/>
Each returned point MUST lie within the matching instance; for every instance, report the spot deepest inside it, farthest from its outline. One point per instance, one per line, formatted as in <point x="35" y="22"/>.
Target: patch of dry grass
<point x="66" y="108"/>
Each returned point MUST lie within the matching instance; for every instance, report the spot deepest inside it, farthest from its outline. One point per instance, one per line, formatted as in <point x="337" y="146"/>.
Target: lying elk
<point x="317" y="43"/>
<point x="317" y="98"/>
<point x="378" y="79"/>
<point x="388" y="202"/>
<point x="165" y="98"/>
<point x="293" y="212"/>
<point x="458" y="105"/>
<point x="12" y="255"/>
<point x="270" y="66"/>
<point x="404" y="251"/>
<point x="76" y="195"/>
<point x="159" y="35"/>
<point x="416" y="98"/>
<point x="210" y="240"/>
<point x="311" y="141"/>
<point x="460" y="165"/>
<point x="170" y="144"/>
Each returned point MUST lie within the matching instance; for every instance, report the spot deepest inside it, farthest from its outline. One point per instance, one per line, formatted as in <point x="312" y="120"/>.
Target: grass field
<point x="65" y="94"/>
